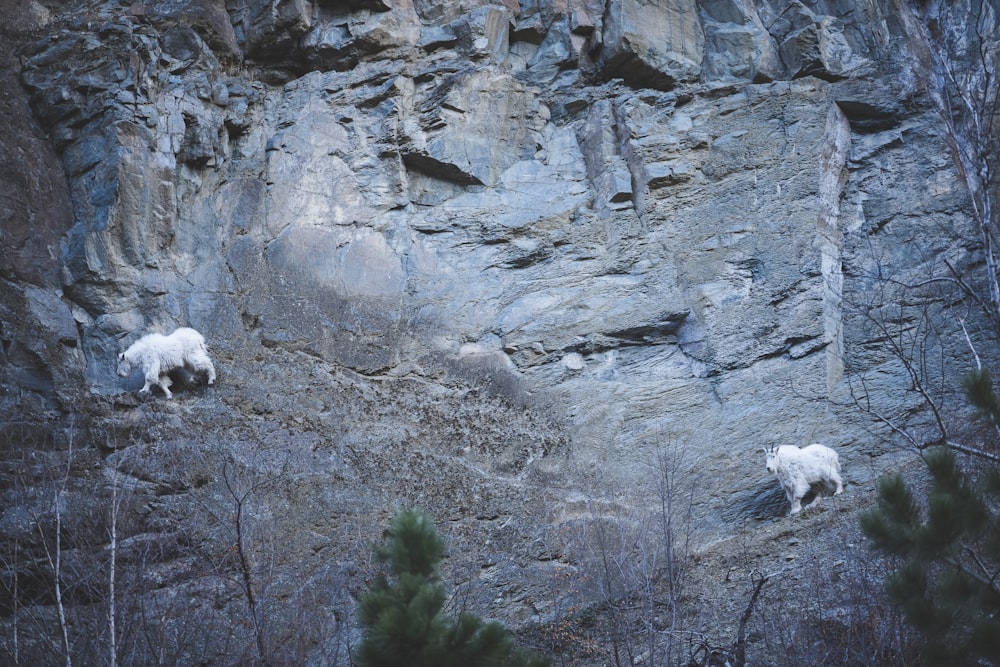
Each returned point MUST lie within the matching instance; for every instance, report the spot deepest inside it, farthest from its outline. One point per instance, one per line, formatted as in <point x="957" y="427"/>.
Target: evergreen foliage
<point x="403" y="619"/>
<point x="979" y="390"/>
<point x="948" y="583"/>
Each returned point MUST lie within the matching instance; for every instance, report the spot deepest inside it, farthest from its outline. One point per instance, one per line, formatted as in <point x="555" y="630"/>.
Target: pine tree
<point x="948" y="583"/>
<point x="403" y="619"/>
<point x="979" y="390"/>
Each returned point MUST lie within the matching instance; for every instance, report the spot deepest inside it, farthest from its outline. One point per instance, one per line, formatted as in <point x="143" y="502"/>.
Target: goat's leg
<point x="152" y="377"/>
<point x="790" y="496"/>
<point x="200" y="362"/>
<point x="165" y="382"/>
<point x="839" y="483"/>
<point x="796" y="494"/>
<point x="795" y="500"/>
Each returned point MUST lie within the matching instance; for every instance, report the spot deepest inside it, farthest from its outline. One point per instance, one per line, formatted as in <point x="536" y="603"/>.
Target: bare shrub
<point x="622" y="564"/>
<point x="832" y="611"/>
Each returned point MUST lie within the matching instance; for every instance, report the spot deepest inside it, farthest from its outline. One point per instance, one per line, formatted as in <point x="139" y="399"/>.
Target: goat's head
<point x="771" y="455"/>
<point x="124" y="365"/>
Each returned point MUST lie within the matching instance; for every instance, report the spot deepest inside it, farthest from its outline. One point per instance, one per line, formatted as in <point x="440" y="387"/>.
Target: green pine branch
<point x="978" y="385"/>
<point x="403" y="618"/>
<point x="949" y="548"/>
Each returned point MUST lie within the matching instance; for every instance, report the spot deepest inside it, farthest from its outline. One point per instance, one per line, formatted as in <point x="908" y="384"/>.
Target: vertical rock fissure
<point x="633" y="162"/>
<point x="829" y="238"/>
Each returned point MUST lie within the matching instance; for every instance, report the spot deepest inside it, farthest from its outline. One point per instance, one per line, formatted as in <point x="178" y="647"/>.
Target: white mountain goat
<point x="798" y="470"/>
<point x="157" y="355"/>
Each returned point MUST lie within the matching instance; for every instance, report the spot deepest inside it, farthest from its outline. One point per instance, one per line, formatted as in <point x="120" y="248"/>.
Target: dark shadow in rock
<point x="763" y="503"/>
<point x="181" y="379"/>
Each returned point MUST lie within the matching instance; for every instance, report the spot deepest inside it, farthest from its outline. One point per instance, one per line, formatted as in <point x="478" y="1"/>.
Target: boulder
<point x="654" y="44"/>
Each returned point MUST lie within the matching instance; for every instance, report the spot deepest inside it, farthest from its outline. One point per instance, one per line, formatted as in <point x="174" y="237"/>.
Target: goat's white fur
<point x="798" y="470"/>
<point x="157" y="355"/>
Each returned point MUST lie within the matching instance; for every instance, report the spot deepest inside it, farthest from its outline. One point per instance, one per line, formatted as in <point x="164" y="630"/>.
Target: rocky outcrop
<point x="652" y="44"/>
<point x="40" y="360"/>
<point x="492" y="259"/>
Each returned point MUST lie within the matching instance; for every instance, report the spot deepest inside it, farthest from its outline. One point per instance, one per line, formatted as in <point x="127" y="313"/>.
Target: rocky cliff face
<point x="493" y="260"/>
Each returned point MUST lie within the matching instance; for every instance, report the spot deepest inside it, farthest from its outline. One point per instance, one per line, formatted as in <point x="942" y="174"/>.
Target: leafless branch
<point x="740" y="652"/>
<point x="972" y="451"/>
<point x="245" y="568"/>
<point x="970" y="145"/>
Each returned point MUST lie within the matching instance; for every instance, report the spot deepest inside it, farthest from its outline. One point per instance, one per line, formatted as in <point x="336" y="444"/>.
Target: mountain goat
<point x="157" y="355"/>
<point x="798" y="470"/>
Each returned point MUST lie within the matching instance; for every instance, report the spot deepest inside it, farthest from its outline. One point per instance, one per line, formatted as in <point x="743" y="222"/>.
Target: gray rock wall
<point x="491" y="259"/>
